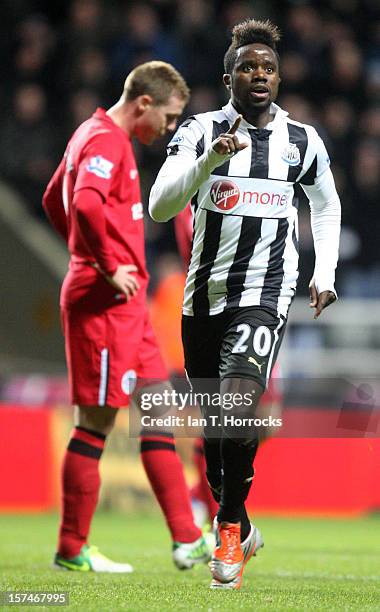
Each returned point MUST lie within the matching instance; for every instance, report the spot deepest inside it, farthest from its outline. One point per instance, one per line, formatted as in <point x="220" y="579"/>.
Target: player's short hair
<point x="156" y="79"/>
<point x="249" y="32"/>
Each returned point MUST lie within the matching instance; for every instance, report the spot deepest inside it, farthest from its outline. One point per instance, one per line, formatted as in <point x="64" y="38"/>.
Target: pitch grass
<point x="306" y="565"/>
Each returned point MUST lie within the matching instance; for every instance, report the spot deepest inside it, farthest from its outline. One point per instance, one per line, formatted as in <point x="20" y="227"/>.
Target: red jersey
<point x="99" y="156"/>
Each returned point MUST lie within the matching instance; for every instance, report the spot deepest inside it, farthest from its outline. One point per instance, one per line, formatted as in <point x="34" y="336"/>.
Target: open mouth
<point x="259" y="93"/>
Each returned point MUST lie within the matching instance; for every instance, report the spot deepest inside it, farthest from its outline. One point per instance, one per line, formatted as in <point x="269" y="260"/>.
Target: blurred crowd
<point x="60" y="60"/>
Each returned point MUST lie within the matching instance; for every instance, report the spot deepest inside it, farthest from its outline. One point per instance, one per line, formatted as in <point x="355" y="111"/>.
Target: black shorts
<point x="238" y="343"/>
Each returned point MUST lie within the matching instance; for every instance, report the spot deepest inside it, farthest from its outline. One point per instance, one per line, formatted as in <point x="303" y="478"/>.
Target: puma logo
<point x="257" y="364"/>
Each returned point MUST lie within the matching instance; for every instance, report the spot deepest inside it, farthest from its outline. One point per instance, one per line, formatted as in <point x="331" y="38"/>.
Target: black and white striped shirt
<point x="245" y="241"/>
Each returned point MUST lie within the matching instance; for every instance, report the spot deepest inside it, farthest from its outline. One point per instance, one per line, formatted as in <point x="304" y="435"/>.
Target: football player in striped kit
<point x="239" y="167"/>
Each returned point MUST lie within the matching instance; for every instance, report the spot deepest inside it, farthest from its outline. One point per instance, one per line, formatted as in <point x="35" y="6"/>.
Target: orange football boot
<point x="250" y="546"/>
<point x="228" y="558"/>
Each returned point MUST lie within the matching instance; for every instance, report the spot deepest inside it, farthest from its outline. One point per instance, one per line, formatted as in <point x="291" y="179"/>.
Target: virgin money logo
<point x="224" y="194"/>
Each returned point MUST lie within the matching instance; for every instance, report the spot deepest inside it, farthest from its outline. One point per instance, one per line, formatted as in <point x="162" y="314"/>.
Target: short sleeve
<point x="99" y="163"/>
<point x="320" y="159"/>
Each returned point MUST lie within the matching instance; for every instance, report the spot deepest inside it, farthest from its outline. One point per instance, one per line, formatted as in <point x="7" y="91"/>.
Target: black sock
<point x="214" y="466"/>
<point x="237" y="460"/>
<point x="214" y="477"/>
<point x="245" y="524"/>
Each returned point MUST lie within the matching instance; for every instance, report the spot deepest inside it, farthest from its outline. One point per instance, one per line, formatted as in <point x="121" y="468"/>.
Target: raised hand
<point x="321" y="301"/>
<point x="228" y="142"/>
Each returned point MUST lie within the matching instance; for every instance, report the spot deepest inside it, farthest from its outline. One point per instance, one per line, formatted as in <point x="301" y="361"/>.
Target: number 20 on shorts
<point x="261" y="341"/>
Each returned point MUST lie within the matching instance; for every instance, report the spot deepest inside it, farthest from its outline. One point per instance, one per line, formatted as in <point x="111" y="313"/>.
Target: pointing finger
<point x="235" y="125"/>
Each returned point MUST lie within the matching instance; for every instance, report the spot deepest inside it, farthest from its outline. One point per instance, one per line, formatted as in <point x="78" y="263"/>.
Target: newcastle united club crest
<point x="291" y="154"/>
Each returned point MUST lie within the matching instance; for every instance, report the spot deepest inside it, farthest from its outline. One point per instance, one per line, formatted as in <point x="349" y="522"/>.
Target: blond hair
<point x="156" y="79"/>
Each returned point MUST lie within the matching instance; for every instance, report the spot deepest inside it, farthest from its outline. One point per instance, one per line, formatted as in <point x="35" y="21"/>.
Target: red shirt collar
<point x="101" y="114"/>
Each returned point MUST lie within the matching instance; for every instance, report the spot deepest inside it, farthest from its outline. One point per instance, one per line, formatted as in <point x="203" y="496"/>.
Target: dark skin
<point x="254" y="83"/>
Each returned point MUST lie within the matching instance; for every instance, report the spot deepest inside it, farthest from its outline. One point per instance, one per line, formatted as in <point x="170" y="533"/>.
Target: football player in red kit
<point x="93" y="200"/>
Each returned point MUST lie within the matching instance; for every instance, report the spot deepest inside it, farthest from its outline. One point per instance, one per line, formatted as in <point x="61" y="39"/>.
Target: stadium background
<point x="59" y="62"/>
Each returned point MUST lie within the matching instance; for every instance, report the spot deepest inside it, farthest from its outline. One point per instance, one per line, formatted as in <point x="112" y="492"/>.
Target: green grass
<point x="305" y="565"/>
